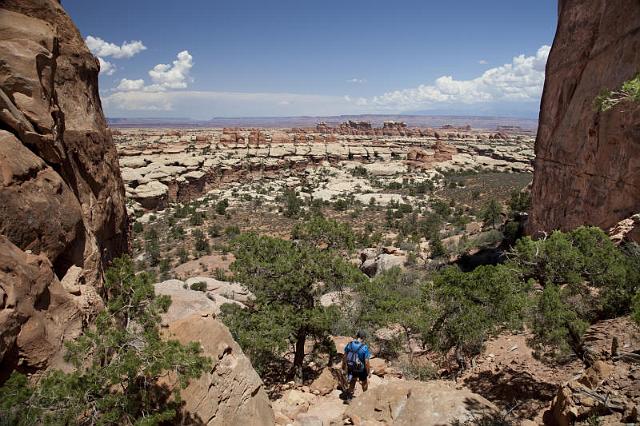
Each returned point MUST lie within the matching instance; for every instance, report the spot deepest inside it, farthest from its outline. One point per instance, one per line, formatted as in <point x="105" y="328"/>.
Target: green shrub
<point x="199" y="286"/>
<point x="214" y="230"/>
<point x="556" y="323"/>
<point x="221" y="206"/>
<point x="492" y="213"/>
<point x="201" y="244"/>
<point x="292" y="204"/>
<point x="629" y="91"/>
<point x="232" y="231"/>
<point x="118" y="365"/>
<point x="324" y="233"/>
<point x="196" y="219"/>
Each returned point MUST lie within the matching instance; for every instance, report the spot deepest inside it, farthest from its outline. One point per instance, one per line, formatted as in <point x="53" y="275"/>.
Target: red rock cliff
<point x="587" y="168"/>
<point x="62" y="205"/>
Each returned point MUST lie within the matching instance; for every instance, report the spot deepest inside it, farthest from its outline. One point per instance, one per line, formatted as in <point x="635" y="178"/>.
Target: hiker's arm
<point x="368" y="367"/>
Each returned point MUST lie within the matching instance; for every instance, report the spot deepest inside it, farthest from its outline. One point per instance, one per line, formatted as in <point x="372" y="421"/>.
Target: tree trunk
<point x="298" y="359"/>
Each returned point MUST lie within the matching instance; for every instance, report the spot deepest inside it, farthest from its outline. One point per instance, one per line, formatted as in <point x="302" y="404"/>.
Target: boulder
<point x="414" y="403"/>
<point x="228" y="290"/>
<point x="231" y="393"/>
<point x="186" y="301"/>
<point x="324" y="384"/>
<point x="388" y="261"/>
<point x="378" y="366"/>
<point x="585" y="170"/>
<point x="152" y="195"/>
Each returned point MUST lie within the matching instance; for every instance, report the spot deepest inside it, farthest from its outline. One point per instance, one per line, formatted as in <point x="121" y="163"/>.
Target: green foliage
<point x="221" y="206"/>
<point x="165" y="265"/>
<point x="292" y="204"/>
<point x="585" y="254"/>
<point x="196" y="218"/>
<point x="629" y="91"/>
<point x="220" y="275"/>
<point x="177" y="232"/>
<point x="555" y="322"/>
<point x="437" y="248"/>
<point x="441" y="208"/>
<point x="492" y="213"/>
<point x="324" y="233"/>
<point x="232" y="231"/>
<point x="152" y="248"/>
<point x="183" y="255"/>
<point x="287" y="281"/>
<point x="520" y="202"/>
<point x="359" y="171"/>
<point x="137" y="227"/>
<point x="117" y="365"/>
<point x="469" y="307"/>
<point x="635" y="308"/>
<point x="392" y="297"/>
<point x="214" y="230"/>
<point x="201" y="244"/>
<point x="199" y="286"/>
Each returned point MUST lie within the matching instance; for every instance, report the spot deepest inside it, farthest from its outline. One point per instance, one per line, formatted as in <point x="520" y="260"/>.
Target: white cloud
<point x="127" y="85"/>
<point x="483" y="62"/>
<point x="106" y="67"/>
<point x="207" y="104"/>
<point x="174" y="76"/>
<point x="101" y="48"/>
<point x="357" y="80"/>
<point x="519" y="81"/>
<point x="164" y="77"/>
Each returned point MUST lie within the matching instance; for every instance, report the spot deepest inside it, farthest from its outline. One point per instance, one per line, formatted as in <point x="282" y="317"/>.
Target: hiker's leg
<point x="352" y="385"/>
<point x="365" y="385"/>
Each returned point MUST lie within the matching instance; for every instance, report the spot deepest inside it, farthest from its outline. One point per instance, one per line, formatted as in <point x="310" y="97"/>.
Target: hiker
<point x="355" y="363"/>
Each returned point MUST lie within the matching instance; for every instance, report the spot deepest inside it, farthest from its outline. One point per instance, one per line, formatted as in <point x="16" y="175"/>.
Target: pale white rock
<point x="194" y="175"/>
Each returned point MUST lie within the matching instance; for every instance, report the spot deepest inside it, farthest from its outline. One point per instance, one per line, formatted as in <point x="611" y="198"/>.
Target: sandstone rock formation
<point x="159" y="168"/>
<point x="231" y="393"/>
<point x="586" y="168"/>
<point x="36" y="312"/>
<point x="419" y="403"/>
<point x="62" y="205"/>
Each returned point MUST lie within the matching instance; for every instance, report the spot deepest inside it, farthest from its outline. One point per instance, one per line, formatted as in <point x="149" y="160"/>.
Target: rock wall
<point x="587" y="162"/>
<point x="62" y="201"/>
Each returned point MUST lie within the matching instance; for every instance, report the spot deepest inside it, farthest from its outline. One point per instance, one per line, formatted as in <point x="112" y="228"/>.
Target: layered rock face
<point x="62" y="205"/>
<point x="231" y="393"/>
<point x="160" y="167"/>
<point x="586" y="168"/>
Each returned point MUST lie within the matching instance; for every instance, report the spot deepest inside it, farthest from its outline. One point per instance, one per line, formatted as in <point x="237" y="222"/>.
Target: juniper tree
<point x="118" y="363"/>
<point x="287" y="280"/>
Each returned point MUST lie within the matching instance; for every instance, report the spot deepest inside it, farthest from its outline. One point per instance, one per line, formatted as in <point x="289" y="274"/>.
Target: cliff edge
<point x="587" y="167"/>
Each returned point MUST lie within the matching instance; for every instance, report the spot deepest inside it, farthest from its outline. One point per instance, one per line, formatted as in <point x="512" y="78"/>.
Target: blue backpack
<point x="354" y="363"/>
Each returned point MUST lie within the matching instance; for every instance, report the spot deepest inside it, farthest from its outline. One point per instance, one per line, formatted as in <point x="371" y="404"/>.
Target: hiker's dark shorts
<point x="360" y="375"/>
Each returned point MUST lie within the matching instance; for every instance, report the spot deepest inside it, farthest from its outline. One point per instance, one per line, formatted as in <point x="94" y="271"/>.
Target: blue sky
<point x="284" y="57"/>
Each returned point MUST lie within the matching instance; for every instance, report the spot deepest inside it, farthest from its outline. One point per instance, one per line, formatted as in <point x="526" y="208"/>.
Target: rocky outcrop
<point x="37" y="311"/>
<point x="586" y="167"/>
<point x="419" y="403"/>
<point x="626" y="230"/>
<point x="62" y="201"/>
<point x="159" y="169"/>
<point x="231" y="393"/>
<point x="423" y="158"/>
